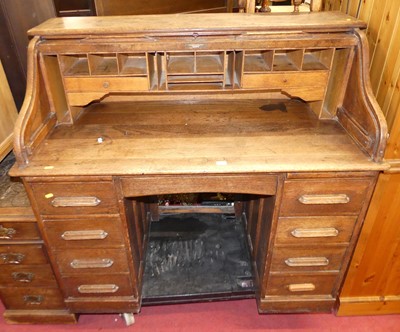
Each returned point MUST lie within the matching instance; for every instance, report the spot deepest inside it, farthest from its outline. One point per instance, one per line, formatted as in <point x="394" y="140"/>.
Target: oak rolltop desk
<point x="275" y="110"/>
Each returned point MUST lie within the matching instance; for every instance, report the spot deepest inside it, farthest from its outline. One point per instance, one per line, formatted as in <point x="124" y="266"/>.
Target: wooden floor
<point x="220" y="136"/>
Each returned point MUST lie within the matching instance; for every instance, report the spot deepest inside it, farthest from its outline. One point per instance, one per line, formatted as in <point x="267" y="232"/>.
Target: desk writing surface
<point x="240" y="136"/>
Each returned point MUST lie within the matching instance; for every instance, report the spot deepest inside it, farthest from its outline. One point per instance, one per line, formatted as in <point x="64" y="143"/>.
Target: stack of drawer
<point x="317" y="225"/>
<point x="86" y="241"/>
<point x="28" y="287"/>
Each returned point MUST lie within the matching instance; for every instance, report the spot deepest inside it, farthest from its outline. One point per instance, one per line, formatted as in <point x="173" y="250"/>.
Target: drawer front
<point x="315" y="230"/>
<point x="16" y="231"/>
<point x="75" y="198"/>
<point x="32" y="298"/>
<point x="105" y="84"/>
<point x="22" y="255"/>
<point x="307" y="259"/>
<point x="324" y="197"/>
<point x="301" y="285"/>
<point x="101" y="232"/>
<point x="87" y="285"/>
<point x="77" y="261"/>
<point x="27" y="276"/>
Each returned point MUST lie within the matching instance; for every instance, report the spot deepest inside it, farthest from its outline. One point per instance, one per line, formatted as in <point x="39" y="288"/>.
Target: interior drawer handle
<point x="91" y="263"/>
<point x="33" y="299"/>
<point x="324" y="199"/>
<point x="75" y="201"/>
<point x="306" y="287"/>
<point x="6" y="233"/>
<point x="23" y="276"/>
<point x="315" y="232"/>
<point x="96" y="234"/>
<point x="104" y="288"/>
<point x="12" y="258"/>
<point x="307" y="261"/>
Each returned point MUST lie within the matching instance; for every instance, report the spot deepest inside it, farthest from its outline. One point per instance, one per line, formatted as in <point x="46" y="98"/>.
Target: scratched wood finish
<point x="371" y="286"/>
<point x="145" y="137"/>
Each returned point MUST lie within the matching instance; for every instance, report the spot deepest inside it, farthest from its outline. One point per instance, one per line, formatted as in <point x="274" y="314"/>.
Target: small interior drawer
<point x="324" y="197"/>
<point x="16" y="231"/>
<point x="99" y="232"/>
<point x="87" y="285"/>
<point x="315" y="230"/>
<point x="78" y="261"/>
<point x="11" y="255"/>
<point x="69" y="198"/>
<point x="32" y="298"/>
<point x="304" y="284"/>
<point x="106" y="84"/>
<point x="307" y="259"/>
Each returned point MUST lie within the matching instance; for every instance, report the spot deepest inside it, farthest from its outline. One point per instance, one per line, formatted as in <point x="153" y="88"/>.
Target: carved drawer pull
<point x="23" y="276"/>
<point x="33" y="299"/>
<point x="75" y="201"/>
<point x="97" y="234"/>
<point x="315" y="232"/>
<point x="6" y="233"/>
<point x="306" y="287"/>
<point x="307" y="261"/>
<point x="106" y="288"/>
<point x="91" y="263"/>
<point x="12" y="258"/>
<point x="324" y="199"/>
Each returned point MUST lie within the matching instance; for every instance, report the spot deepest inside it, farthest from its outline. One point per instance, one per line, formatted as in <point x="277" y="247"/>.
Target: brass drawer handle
<point x="91" y="263"/>
<point x="33" y="299"/>
<point x="12" y="258"/>
<point x="97" y="234"/>
<point x="307" y="261"/>
<point x="23" y="276"/>
<point x="88" y="201"/>
<point x="105" y="288"/>
<point x="324" y="199"/>
<point x="306" y="287"/>
<point x="6" y="233"/>
<point x="315" y="232"/>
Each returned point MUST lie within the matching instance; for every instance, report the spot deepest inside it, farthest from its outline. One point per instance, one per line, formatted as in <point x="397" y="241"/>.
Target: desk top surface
<point x="70" y="27"/>
<point x="221" y="136"/>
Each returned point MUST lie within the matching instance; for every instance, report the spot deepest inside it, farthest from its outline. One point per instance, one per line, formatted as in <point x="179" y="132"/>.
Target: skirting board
<point x="369" y="305"/>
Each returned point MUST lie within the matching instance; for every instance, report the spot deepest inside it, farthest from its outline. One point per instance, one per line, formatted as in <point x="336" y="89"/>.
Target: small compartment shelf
<point x="74" y="65"/>
<point x="103" y="64"/>
<point x="258" y="61"/>
<point x="288" y="60"/>
<point x="195" y="70"/>
<point x="318" y="59"/>
<point x="132" y="64"/>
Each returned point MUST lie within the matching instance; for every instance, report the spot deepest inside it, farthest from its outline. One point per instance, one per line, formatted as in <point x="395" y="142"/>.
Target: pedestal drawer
<point x="16" y="231"/>
<point x="305" y="284"/>
<point x="99" y="232"/>
<point x="27" y="276"/>
<point x="77" y="261"/>
<point x="307" y="259"/>
<point x="32" y="298"/>
<point x="22" y="254"/>
<point x="87" y="285"/>
<point x="71" y="198"/>
<point x="315" y="230"/>
<point x="324" y="197"/>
